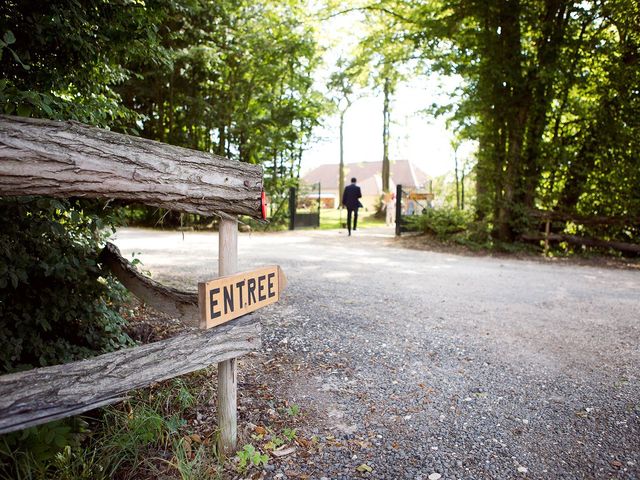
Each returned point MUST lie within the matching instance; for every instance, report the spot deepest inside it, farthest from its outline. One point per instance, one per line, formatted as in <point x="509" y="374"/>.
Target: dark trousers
<point x="355" y="218"/>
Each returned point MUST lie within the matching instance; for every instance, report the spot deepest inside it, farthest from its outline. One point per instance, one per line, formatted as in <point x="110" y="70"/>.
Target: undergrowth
<point x="146" y="436"/>
<point x="165" y="431"/>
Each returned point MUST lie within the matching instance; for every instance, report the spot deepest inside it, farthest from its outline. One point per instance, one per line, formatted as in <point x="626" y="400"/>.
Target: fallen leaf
<point x="281" y="452"/>
<point x="303" y="442"/>
<point x="196" y="438"/>
<point x="364" y="468"/>
<point x="260" y="430"/>
<point x="186" y="444"/>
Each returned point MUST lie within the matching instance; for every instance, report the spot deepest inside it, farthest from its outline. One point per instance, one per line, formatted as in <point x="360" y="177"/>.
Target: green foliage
<point x="290" y="434"/>
<point x="550" y="94"/>
<point x="30" y="453"/>
<point x="194" y="465"/>
<point x="550" y="99"/>
<point x="56" y="304"/>
<point x="126" y="440"/>
<point x="293" y="410"/>
<point x="444" y="223"/>
<point x="62" y="59"/>
<point x="236" y="81"/>
<point x="274" y="442"/>
<point x="249" y="456"/>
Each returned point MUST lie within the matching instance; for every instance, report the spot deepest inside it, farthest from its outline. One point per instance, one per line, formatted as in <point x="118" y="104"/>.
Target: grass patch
<point x="166" y="431"/>
<point x="333" y="218"/>
<point x="150" y="435"/>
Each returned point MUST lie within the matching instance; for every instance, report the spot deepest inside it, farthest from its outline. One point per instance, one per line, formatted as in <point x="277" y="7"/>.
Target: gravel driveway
<point x="423" y="365"/>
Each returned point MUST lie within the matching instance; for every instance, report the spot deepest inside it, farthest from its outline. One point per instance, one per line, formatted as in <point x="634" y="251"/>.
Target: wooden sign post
<point x="227" y="370"/>
<point x="227" y="297"/>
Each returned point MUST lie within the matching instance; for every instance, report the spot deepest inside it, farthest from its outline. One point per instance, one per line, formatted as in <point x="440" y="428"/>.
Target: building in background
<point x="369" y="175"/>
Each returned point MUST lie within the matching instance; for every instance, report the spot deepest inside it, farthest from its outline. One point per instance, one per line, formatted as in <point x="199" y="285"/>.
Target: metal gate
<point x="304" y="206"/>
<point x="410" y="202"/>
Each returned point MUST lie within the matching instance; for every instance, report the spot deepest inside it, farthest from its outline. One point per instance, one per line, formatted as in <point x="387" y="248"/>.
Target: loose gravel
<point x="422" y="365"/>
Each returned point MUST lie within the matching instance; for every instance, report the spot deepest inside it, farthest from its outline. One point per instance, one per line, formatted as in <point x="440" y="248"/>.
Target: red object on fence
<point x="264" y="206"/>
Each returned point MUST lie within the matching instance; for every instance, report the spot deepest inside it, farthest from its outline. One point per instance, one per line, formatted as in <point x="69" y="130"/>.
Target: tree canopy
<point x="551" y="94"/>
<point x="550" y="88"/>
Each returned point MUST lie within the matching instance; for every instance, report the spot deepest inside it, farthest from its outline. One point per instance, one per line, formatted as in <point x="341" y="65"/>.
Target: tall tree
<point x="342" y="86"/>
<point x="543" y="99"/>
<point x="238" y="82"/>
<point x="388" y="50"/>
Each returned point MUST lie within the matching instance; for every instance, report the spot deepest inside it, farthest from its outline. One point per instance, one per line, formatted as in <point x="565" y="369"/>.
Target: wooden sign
<point x="420" y="195"/>
<point x="232" y="296"/>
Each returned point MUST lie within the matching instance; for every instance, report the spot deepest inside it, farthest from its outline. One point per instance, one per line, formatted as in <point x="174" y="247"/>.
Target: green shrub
<point x="56" y="304"/>
<point x="30" y="453"/>
<point x="441" y="222"/>
<point x="139" y="435"/>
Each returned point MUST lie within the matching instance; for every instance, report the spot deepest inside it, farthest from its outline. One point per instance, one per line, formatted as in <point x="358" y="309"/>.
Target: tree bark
<point x="455" y="160"/>
<point x="65" y="159"/>
<point x="386" y="113"/>
<point x="179" y="304"/>
<point x="45" y="394"/>
<point x="341" y="166"/>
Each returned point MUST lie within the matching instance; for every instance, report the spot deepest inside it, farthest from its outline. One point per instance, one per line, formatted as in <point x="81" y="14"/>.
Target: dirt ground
<point x="417" y="364"/>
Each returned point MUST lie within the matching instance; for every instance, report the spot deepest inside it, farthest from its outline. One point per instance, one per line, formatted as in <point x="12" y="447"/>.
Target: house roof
<point x="369" y="175"/>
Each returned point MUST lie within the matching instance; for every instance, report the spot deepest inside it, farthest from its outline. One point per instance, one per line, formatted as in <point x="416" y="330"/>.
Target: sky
<point x="414" y="134"/>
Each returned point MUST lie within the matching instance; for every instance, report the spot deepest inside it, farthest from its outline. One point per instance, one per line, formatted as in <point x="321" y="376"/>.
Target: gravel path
<point x="418" y="364"/>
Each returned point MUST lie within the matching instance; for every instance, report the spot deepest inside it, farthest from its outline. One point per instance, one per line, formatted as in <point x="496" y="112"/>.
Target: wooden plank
<point x="587" y="241"/>
<point x="44" y="394"/>
<point x="65" y="159"/>
<point x="227" y="370"/>
<point x="569" y="216"/>
<point x="177" y="303"/>
<point x="232" y="296"/>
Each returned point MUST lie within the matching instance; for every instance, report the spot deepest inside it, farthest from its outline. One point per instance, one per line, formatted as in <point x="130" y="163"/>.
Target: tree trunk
<point x="341" y="167"/>
<point x="455" y="160"/>
<point x="386" y="113"/>
<point x="66" y="159"/>
<point x="462" y="190"/>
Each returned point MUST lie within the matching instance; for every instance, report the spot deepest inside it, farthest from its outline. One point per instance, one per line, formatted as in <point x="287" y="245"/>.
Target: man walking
<point x="350" y="199"/>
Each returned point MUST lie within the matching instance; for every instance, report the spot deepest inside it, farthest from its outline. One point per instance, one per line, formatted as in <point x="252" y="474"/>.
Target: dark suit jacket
<point x="350" y="197"/>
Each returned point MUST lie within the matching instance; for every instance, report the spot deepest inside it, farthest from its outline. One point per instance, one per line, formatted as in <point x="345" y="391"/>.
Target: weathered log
<point x="587" y="241"/>
<point x="177" y="303"/>
<point x="584" y="220"/>
<point x="69" y="159"/>
<point x="44" y="394"/>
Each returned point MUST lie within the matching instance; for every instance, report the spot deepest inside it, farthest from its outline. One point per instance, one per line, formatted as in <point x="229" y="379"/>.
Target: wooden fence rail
<point x="67" y="159"/>
<point x="44" y="394"/>
<point x="177" y="303"/>
<point x="550" y="216"/>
